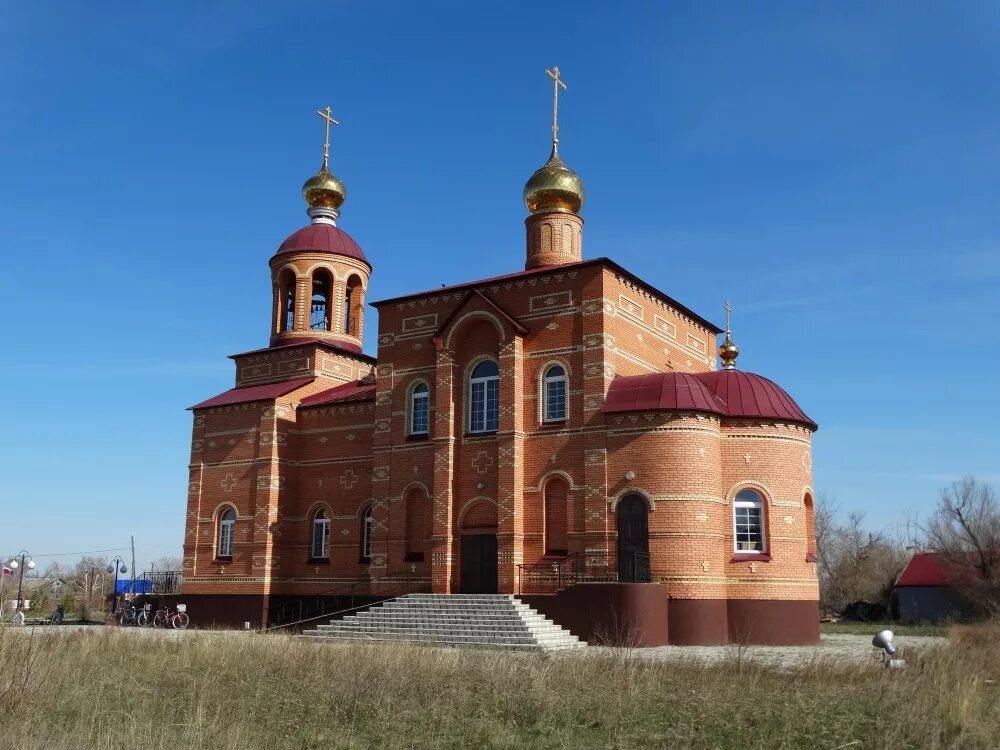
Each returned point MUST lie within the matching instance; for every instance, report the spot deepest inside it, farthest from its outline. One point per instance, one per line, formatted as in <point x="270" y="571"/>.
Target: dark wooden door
<point x="633" y="539"/>
<point x="479" y="564"/>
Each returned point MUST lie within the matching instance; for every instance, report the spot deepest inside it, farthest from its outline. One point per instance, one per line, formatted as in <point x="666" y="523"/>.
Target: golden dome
<point x="324" y="189"/>
<point x="728" y="353"/>
<point x="554" y="187"/>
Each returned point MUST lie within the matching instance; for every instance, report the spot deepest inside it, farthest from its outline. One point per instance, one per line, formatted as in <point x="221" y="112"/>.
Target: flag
<point x="7" y="571"/>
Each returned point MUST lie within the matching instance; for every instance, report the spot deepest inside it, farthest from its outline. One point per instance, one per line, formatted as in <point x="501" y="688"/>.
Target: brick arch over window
<point x="225" y="518"/>
<point x="556" y="516"/>
<point x="418" y="523"/>
<point x="467" y="322"/>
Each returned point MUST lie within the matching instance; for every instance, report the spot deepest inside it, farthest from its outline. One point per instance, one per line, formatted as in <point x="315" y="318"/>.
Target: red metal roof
<point x="253" y="393"/>
<point x="344" y="346"/>
<point x="731" y="393"/>
<point x="936" y="569"/>
<point x="357" y="390"/>
<point x="745" y="394"/>
<point x="659" y="391"/>
<point x="323" y="238"/>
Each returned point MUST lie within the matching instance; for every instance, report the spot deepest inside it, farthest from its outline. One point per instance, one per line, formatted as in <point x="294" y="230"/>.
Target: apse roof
<point x="659" y="391"/>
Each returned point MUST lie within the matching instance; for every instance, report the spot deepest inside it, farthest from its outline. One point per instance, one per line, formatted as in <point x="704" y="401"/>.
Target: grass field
<point x="107" y="689"/>
<point x="871" y="628"/>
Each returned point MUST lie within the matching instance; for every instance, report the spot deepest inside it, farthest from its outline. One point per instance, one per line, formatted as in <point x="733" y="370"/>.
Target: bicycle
<point x="128" y="615"/>
<point x="177" y="619"/>
<point x="145" y="618"/>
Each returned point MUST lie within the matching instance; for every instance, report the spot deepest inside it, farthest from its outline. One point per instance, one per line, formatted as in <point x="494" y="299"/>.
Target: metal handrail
<point x="301" y="611"/>
<point x="552" y="576"/>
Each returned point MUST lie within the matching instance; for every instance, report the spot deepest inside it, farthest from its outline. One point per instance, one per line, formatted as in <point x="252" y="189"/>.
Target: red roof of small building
<point x="745" y="394"/>
<point x="730" y="393"/>
<point x="253" y="393"/>
<point x="659" y="391"/>
<point x="937" y="569"/>
<point x="323" y="238"/>
<point x="357" y="390"/>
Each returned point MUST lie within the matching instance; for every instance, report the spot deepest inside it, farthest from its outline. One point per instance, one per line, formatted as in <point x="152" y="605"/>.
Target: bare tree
<point x="965" y="530"/>
<point x="853" y="563"/>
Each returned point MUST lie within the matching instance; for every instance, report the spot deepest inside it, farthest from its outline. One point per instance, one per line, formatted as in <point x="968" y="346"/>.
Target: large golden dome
<point x="554" y="187"/>
<point x="324" y="189"/>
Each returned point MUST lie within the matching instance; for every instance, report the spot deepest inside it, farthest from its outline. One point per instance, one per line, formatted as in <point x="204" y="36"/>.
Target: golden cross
<point x="729" y="312"/>
<point x="557" y="83"/>
<point x="327" y="115"/>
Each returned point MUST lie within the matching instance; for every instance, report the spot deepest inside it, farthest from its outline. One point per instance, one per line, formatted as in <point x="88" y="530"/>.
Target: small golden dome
<point x="554" y="187"/>
<point x="728" y="353"/>
<point x="324" y="189"/>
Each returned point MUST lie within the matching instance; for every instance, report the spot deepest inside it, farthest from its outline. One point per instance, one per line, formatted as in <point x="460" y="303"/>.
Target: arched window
<point x="321" y="535"/>
<point x="748" y="522"/>
<point x="367" y="527"/>
<point x="352" y="307"/>
<point x="319" y="307"/>
<point x="554" y="394"/>
<point x="484" y="397"/>
<point x="286" y="309"/>
<point x="420" y="405"/>
<point x="227" y="525"/>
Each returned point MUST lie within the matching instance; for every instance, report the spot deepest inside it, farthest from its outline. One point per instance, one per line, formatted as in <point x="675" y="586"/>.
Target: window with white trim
<point x="420" y="405"/>
<point x="554" y="394"/>
<point x="367" y="526"/>
<point x="227" y="527"/>
<point x="484" y="397"/>
<point x="748" y="521"/>
<point x="321" y="535"/>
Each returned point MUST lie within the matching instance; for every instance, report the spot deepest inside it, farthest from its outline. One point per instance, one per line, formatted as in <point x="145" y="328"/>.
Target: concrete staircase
<point x="483" y="620"/>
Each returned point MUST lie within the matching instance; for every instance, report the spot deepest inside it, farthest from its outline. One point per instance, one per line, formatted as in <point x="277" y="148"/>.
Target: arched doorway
<point x="478" y="567"/>
<point x="633" y="539"/>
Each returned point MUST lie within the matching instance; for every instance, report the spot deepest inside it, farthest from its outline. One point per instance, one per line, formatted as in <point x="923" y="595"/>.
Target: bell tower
<point x="554" y="195"/>
<point x="319" y="275"/>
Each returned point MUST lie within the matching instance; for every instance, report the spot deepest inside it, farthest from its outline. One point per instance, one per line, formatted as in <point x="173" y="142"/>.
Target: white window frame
<point x="742" y="500"/>
<point x="367" y="527"/>
<point x="483" y="410"/>
<point x="548" y="378"/>
<point x="417" y="395"/>
<point x="227" y="533"/>
<point x="321" y="533"/>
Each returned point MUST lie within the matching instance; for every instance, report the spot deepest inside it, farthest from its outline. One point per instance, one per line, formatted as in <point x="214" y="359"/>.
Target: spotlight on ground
<point x="884" y="640"/>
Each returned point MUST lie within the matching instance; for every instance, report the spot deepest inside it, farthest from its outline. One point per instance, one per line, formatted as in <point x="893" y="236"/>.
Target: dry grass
<point x="871" y="628"/>
<point x="105" y="689"/>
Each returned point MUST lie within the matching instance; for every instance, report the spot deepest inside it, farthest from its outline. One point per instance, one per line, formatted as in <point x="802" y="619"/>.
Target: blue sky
<point x="831" y="168"/>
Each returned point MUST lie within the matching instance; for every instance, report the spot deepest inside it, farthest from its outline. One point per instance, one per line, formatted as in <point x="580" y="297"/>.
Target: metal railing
<point x="554" y="575"/>
<point x="154" y="582"/>
<point x="330" y="602"/>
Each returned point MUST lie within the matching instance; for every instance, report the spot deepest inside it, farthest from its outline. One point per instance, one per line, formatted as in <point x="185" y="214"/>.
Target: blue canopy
<point x="141" y="586"/>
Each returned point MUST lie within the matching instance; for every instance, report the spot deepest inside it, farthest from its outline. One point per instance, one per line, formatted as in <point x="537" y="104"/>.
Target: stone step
<point x="444" y="630"/>
<point x="373" y="639"/>
<point x="455" y="635"/>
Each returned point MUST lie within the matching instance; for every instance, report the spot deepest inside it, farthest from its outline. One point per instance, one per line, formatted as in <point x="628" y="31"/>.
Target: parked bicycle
<point x="145" y="618"/>
<point x="128" y="615"/>
<point x="177" y="619"/>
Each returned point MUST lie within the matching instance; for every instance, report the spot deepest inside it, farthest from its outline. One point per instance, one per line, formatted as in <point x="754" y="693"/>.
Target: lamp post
<point x="26" y="561"/>
<point x="117" y="566"/>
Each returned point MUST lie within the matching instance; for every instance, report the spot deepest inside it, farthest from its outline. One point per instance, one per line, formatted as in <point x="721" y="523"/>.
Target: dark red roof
<point x="745" y="394"/>
<point x="936" y="569"/>
<point x="556" y="269"/>
<point x="323" y="238"/>
<point x="343" y="346"/>
<point x="253" y="393"/>
<point x="731" y="393"/>
<point x="357" y="390"/>
<point x="659" y="391"/>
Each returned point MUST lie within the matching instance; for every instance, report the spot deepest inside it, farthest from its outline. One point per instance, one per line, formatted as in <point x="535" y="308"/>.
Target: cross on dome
<point x="557" y="83"/>
<point x="327" y="115"/>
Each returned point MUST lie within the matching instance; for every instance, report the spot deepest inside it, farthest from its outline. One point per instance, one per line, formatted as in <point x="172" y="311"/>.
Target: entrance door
<point x="479" y="564"/>
<point x="633" y="539"/>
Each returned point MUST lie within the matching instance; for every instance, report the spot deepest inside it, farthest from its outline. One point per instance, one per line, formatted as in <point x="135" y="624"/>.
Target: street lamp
<point x="26" y="561"/>
<point x="117" y="566"/>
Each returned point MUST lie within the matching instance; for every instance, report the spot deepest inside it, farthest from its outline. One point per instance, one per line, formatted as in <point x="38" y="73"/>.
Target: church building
<point x="562" y="433"/>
